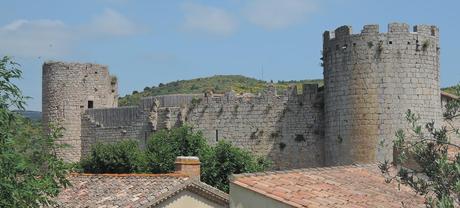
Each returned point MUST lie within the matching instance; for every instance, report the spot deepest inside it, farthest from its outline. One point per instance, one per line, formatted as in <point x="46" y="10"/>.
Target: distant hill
<point x="218" y="84"/>
<point x="451" y="90"/>
<point x="32" y="115"/>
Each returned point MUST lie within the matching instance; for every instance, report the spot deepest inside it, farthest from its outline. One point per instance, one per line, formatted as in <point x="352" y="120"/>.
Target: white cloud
<point x="208" y="19"/>
<point x="112" y="23"/>
<point x="277" y="14"/>
<point x="35" y="38"/>
<point x="54" y="38"/>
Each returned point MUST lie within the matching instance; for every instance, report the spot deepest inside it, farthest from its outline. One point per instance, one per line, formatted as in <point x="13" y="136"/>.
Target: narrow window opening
<point x="90" y="104"/>
<point x="408" y="42"/>
<point x="390" y="42"/>
<point x="95" y="72"/>
<point x="217" y="135"/>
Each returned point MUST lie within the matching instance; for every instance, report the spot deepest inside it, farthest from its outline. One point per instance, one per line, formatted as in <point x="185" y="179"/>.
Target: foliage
<point x="121" y="157"/>
<point x="165" y="146"/>
<point x="431" y="161"/>
<point x="218" y="84"/>
<point x="217" y="162"/>
<point x="451" y="90"/>
<point x="30" y="172"/>
<point x="224" y="160"/>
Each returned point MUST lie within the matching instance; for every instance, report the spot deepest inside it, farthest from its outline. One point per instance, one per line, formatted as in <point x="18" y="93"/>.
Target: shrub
<point x="120" y="157"/>
<point x="225" y="159"/>
<point x="217" y="162"/>
<point x="165" y="146"/>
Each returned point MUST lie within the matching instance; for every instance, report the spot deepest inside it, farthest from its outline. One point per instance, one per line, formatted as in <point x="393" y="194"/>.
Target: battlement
<point x="373" y="29"/>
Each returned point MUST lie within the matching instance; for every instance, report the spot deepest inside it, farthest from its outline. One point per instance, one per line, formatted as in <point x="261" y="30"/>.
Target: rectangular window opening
<point x="90" y="104"/>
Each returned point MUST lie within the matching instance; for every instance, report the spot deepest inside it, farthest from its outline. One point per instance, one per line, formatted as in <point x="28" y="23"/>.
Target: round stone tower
<point x="68" y="89"/>
<point x="371" y="80"/>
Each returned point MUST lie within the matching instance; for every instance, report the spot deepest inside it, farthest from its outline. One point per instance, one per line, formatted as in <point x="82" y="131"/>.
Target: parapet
<point x="346" y="31"/>
<point x="69" y="65"/>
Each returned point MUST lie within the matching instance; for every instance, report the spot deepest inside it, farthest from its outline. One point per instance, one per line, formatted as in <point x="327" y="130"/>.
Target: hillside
<point x="452" y="90"/>
<point x="218" y="84"/>
<point x="32" y="115"/>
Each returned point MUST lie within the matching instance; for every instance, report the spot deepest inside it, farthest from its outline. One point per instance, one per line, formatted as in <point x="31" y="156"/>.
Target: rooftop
<point x="342" y="186"/>
<point x="132" y="190"/>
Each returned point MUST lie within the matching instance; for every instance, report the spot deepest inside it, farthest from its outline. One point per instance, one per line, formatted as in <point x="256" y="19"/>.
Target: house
<point x="351" y="186"/>
<point x="175" y="190"/>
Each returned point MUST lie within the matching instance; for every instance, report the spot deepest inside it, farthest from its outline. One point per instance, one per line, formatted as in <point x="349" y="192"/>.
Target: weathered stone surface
<point x="371" y="80"/>
<point x="66" y="92"/>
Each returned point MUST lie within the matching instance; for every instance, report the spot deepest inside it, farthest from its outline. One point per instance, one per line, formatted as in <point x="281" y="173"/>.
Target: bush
<point x="120" y="157"/>
<point x="217" y="162"/>
<point x="165" y="146"/>
<point x="225" y="159"/>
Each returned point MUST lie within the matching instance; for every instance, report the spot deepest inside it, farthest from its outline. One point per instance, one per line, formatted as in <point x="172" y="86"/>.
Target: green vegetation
<point x="165" y="146"/>
<point x="217" y="162"/>
<point x="30" y="172"/>
<point x="217" y="84"/>
<point x="432" y="160"/>
<point x="452" y="90"/>
<point x="120" y="157"/>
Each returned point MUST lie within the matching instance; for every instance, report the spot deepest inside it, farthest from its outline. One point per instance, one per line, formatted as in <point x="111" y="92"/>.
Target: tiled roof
<point x="343" y="186"/>
<point x="131" y="190"/>
<point x="451" y="96"/>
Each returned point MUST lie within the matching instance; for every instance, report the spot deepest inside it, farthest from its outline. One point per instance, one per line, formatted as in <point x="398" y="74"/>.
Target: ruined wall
<point x="111" y="125"/>
<point x="66" y="90"/>
<point x="371" y="80"/>
<point x="287" y="129"/>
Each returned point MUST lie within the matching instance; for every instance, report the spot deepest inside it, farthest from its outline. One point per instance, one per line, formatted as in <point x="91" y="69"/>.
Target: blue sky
<point x="147" y="42"/>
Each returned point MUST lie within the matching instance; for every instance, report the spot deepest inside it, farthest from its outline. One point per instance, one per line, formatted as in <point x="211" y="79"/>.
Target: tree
<point x="217" y="162"/>
<point x="121" y="157"/>
<point x="430" y="159"/>
<point x="165" y="146"/>
<point x="30" y="172"/>
<point x="225" y="159"/>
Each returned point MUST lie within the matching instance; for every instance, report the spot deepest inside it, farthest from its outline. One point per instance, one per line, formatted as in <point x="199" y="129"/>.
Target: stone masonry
<point x="68" y="90"/>
<point x="371" y="80"/>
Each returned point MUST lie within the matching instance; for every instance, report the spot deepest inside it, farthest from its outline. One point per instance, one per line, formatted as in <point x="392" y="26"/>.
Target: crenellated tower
<point x="68" y="89"/>
<point x="371" y="80"/>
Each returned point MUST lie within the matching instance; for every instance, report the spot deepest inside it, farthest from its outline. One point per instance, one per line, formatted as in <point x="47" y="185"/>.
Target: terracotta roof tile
<point x="343" y="186"/>
<point x="131" y="190"/>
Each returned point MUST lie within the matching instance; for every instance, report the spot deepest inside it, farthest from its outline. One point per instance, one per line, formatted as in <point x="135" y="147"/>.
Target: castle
<point x="370" y="78"/>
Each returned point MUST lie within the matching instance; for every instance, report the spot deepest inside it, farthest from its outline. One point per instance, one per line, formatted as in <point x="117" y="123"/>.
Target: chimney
<point x="189" y="166"/>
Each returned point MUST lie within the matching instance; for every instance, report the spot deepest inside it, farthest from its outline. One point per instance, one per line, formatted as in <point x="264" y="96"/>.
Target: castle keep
<point x="371" y="79"/>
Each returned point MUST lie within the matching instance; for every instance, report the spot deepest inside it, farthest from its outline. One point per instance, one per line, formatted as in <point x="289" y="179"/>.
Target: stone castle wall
<point x="371" y="80"/>
<point x="280" y="127"/>
<point x="67" y="89"/>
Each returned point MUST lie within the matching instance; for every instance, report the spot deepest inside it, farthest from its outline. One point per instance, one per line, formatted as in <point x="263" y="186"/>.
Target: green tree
<point x="30" y="172"/>
<point x="121" y="157"/>
<point x="217" y="162"/>
<point x="165" y="146"/>
<point x="225" y="159"/>
<point x="430" y="158"/>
